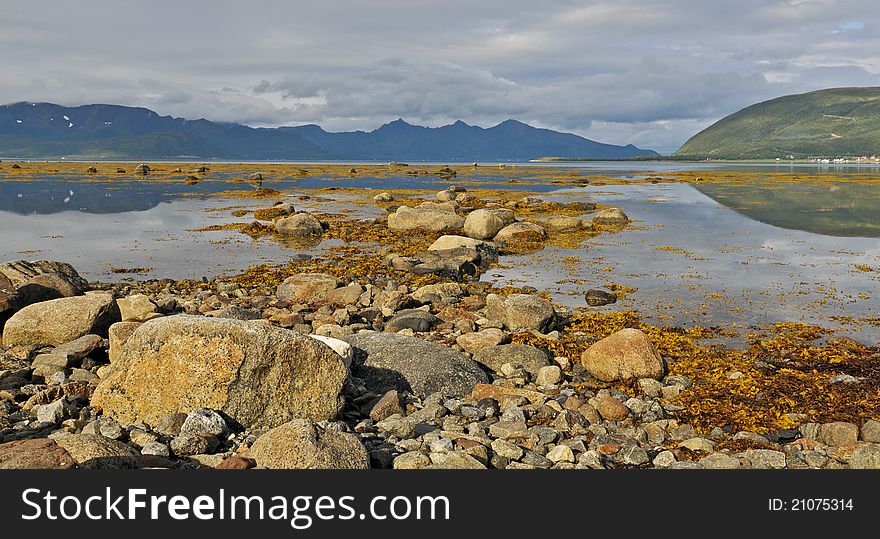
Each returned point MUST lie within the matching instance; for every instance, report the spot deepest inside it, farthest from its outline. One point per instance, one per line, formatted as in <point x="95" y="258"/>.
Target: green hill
<point x="838" y="122"/>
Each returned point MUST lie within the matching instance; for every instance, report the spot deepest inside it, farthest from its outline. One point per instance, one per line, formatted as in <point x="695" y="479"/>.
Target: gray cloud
<point x="648" y="72"/>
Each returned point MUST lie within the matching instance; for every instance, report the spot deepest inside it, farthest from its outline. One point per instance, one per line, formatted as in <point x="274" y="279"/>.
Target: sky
<point x="649" y="73"/>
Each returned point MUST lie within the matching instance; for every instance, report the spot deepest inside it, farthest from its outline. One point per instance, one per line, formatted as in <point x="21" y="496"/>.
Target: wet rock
<point x="522" y="231"/>
<point x="255" y="374"/>
<point x="394" y="361"/>
<point x="596" y="298"/>
<point x="307" y="288"/>
<point x="299" y="225"/>
<point x="628" y="353"/>
<point x="521" y="312"/>
<point x="37" y="453"/>
<point x="429" y="219"/>
<point x="484" y="224"/>
<point x="567" y="224"/>
<point x="611" y="216"/>
<point x="300" y="444"/>
<point x="61" y="320"/>
<point x="531" y="359"/>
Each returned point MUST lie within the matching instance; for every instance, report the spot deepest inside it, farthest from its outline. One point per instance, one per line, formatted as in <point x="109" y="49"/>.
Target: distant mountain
<point x="45" y="130"/>
<point x="837" y="122"/>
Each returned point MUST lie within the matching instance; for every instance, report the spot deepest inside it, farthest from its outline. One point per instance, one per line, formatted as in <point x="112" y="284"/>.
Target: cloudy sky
<point x="651" y="73"/>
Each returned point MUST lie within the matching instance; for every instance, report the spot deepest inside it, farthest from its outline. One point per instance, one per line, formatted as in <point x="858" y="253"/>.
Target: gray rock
<point x="531" y="358"/>
<point x="185" y="445"/>
<point x="719" y="461"/>
<point x="871" y="431"/>
<point x="764" y="458"/>
<point x="393" y="361"/>
<point x="299" y="225"/>
<point x="428" y="218"/>
<point x="157" y="449"/>
<point x="597" y="298"/>
<point x="865" y="457"/>
<point x="170" y="424"/>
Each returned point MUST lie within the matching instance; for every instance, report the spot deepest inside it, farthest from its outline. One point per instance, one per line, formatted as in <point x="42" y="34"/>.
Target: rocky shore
<point x="401" y="358"/>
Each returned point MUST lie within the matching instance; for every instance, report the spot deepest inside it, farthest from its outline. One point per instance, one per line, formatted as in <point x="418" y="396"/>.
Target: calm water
<point x="739" y="253"/>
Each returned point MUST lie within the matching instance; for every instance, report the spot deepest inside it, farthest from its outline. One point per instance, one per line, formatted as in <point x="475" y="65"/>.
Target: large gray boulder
<point x="300" y="444"/>
<point x="258" y="375"/>
<point x="393" y="361"/>
<point x="427" y="219"/>
<point x="57" y="321"/>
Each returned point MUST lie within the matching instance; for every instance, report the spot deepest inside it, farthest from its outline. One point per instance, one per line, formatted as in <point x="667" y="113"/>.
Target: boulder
<point x="137" y="308"/>
<point x="299" y="225"/>
<point x="521" y="312"/>
<point x="531" y="358"/>
<point x="300" y="444"/>
<point x="42" y="280"/>
<point x="8" y="299"/>
<point x="257" y="375"/>
<point x="478" y="340"/>
<point x="521" y="231"/>
<point x="394" y="361"/>
<point x="596" y="298"/>
<point x="307" y="288"/>
<point x="485" y="223"/>
<point x="487" y="251"/>
<point x="426" y="219"/>
<point x="57" y="321"/>
<point x="37" y="453"/>
<point x="611" y="216"/>
<point x="142" y="169"/>
<point x="628" y="353"/>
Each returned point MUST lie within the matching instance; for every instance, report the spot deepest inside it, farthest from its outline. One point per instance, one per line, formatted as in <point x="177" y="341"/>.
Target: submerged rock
<point x="597" y="298"/>
<point x="611" y="216"/>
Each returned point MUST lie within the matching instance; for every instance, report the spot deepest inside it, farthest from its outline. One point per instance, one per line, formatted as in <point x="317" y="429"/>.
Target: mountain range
<point x="835" y="122"/>
<point x="46" y="130"/>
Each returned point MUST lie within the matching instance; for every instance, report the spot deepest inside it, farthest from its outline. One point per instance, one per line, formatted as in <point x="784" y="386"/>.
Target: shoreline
<point x="791" y="396"/>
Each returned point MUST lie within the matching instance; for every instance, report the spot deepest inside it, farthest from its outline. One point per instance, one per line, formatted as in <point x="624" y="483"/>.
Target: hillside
<point x="837" y="122"/>
<point x="45" y="130"/>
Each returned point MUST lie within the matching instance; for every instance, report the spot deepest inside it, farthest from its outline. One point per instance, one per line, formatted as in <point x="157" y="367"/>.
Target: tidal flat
<point x="759" y="287"/>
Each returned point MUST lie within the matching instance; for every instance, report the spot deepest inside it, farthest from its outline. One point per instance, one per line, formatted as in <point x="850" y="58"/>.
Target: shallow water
<point x="744" y="253"/>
